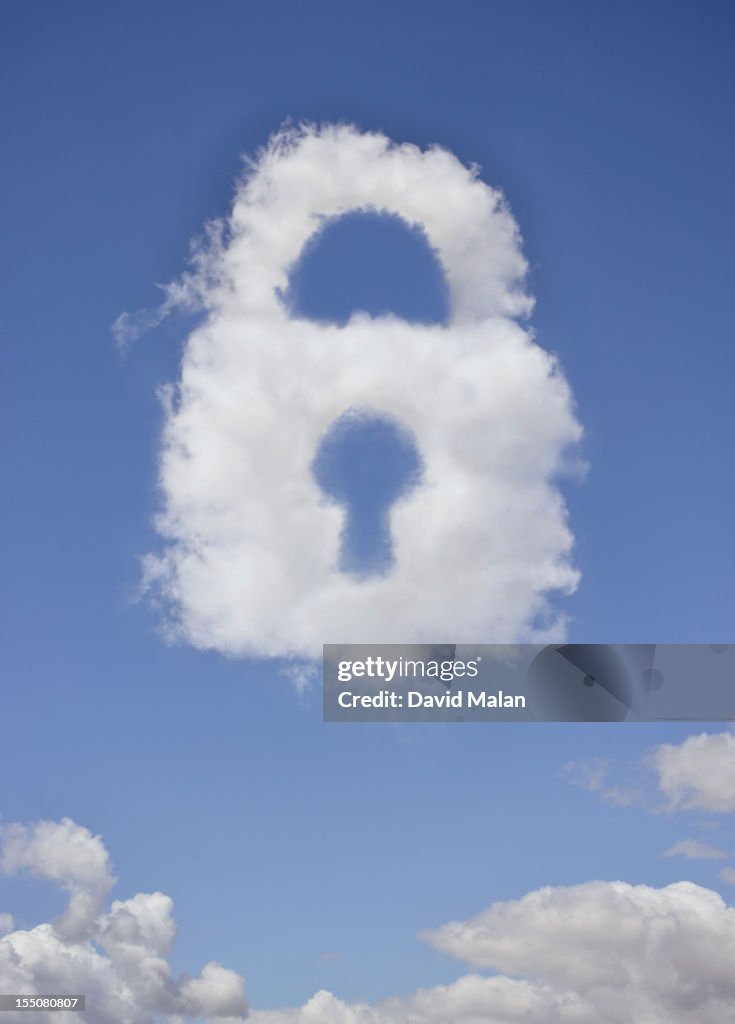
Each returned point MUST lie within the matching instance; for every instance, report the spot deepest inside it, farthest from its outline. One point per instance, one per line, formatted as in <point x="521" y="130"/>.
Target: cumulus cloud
<point x="603" y="951"/>
<point x="251" y="556"/>
<point x="471" y="1000"/>
<point x="628" y="952"/>
<point x="698" y="774"/>
<point x="693" y="849"/>
<point x="64" y="853"/>
<point x="116" y="957"/>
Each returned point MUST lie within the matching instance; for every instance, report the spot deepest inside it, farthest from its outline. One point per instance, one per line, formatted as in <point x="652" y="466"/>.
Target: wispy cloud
<point x="697" y="774"/>
<point x="693" y="849"/>
<point x="188" y="293"/>
<point x="301" y="674"/>
<point x="594" y="774"/>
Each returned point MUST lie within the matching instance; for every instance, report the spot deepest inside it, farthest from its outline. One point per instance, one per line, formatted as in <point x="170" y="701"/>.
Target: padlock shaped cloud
<point x="251" y="560"/>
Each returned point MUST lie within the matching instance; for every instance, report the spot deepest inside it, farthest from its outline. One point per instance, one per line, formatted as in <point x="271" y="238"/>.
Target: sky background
<point x="607" y="126"/>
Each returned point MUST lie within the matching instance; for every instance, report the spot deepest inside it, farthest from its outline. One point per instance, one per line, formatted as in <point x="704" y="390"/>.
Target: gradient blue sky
<point x="608" y="128"/>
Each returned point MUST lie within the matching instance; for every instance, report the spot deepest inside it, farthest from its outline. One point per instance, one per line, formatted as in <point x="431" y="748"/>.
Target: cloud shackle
<point x="250" y="564"/>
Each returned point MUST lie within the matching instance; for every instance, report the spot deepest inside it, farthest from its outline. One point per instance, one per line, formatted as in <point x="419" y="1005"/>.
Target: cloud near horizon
<point x="584" y="954"/>
<point x="250" y="562"/>
<point x="116" y="957"/>
<point x="580" y="954"/>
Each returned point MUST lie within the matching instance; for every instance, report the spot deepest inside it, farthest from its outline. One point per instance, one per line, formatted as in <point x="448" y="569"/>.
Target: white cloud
<point x="62" y="852"/>
<point x="302" y="675"/>
<point x="728" y="875"/>
<point x="593" y="775"/>
<point x="698" y="774"/>
<point x="189" y="293"/>
<point x="693" y="849"/>
<point x="628" y="952"/>
<point x="471" y="1000"/>
<point x="604" y="951"/>
<point x="115" y="957"/>
<point x="251" y="559"/>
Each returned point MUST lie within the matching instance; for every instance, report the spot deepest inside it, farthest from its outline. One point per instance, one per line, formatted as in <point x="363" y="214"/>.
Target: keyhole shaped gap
<point x="366" y="462"/>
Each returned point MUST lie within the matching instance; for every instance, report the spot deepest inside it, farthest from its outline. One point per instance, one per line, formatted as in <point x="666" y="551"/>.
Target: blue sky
<point x="280" y="838"/>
